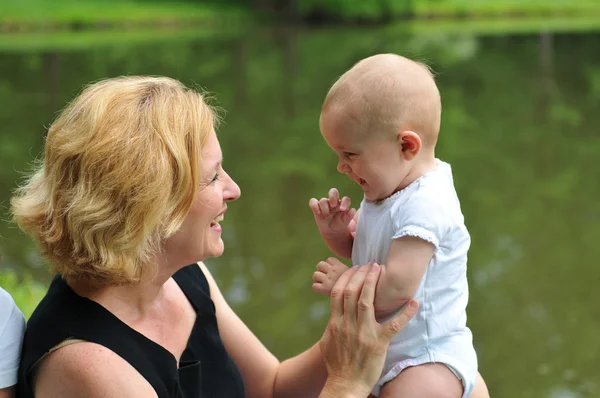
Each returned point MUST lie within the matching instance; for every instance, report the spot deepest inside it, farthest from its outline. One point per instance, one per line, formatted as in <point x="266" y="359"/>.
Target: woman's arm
<point x="264" y="376"/>
<point x="330" y="368"/>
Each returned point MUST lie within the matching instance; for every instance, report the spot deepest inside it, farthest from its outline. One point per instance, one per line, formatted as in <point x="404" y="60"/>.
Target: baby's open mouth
<point x="216" y="221"/>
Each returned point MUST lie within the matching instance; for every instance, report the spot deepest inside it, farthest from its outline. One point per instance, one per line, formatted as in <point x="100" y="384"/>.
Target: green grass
<point x="97" y="13"/>
<point x="127" y="12"/>
<point x="496" y="26"/>
<point x="478" y="8"/>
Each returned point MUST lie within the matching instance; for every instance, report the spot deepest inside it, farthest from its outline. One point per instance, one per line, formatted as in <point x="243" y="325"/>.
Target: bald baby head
<point x="387" y="93"/>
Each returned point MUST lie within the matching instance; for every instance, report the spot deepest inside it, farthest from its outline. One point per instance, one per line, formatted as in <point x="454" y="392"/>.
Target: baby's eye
<point x="349" y="154"/>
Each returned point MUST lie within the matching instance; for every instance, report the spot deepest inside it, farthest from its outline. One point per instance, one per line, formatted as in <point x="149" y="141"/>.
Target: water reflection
<point x="520" y="128"/>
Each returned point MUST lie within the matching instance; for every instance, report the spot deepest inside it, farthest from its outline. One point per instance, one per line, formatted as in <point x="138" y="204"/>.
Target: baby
<point x="382" y="119"/>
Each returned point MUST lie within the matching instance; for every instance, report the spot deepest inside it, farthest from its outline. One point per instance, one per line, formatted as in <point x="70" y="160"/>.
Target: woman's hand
<point x="354" y="344"/>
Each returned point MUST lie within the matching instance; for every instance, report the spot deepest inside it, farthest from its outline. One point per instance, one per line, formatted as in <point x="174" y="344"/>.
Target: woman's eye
<point x="215" y="178"/>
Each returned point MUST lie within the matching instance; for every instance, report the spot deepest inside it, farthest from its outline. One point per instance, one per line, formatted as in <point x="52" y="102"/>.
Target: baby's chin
<point x="376" y="196"/>
<point x="371" y="196"/>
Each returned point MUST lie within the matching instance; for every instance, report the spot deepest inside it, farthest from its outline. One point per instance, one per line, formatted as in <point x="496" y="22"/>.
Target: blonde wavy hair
<point x="118" y="177"/>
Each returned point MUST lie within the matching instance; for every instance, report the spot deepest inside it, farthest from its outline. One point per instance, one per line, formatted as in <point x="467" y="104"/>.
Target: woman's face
<point x="200" y="234"/>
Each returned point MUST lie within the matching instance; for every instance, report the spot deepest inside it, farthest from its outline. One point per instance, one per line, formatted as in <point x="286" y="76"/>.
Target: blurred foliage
<point x="376" y="10"/>
<point x="520" y="128"/>
<point x="25" y="15"/>
<point x="26" y="291"/>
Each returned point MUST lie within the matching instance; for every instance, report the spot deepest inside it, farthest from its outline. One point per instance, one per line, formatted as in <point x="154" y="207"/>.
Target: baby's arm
<point x="400" y="278"/>
<point x="407" y="261"/>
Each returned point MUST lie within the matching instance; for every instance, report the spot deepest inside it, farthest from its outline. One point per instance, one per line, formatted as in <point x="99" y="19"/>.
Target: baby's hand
<point x="333" y="216"/>
<point x="327" y="274"/>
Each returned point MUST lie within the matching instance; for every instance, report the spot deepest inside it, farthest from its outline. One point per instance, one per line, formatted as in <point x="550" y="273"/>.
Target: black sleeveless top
<point x="205" y="369"/>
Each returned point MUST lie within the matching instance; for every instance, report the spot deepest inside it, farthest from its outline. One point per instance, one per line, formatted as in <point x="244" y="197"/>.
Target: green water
<point x="520" y="128"/>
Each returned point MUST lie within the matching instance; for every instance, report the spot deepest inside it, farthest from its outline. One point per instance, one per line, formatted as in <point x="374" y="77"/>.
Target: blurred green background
<point x="520" y="82"/>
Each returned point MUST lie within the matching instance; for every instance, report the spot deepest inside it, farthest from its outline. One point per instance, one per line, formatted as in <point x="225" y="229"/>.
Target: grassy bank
<point x="506" y="8"/>
<point x="372" y="11"/>
<point x="27" y="15"/>
<point x="24" y="15"/>
<point x="490" y="26"/>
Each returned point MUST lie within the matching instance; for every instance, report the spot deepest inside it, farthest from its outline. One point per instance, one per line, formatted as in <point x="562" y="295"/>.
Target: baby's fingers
<point x="348" y="216"/>
<point x="345" y="203"/>
<point x="320" y="288"/>
<point x="314" y="206"/>
<point x="324" y="207"/>
<point x="319" y="277"/>
<point x="323" y="266"/>
<point x="334" y="197"/>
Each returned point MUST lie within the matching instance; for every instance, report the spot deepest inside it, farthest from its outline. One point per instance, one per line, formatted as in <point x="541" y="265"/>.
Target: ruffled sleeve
<point x="421" y="216"/>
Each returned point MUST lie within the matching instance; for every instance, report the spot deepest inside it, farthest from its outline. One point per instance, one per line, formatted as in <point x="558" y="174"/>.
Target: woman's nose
<point x="232" y="190"/>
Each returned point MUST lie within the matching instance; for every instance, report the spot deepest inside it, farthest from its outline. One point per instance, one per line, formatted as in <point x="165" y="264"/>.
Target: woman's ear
<point x="409" y="144"/>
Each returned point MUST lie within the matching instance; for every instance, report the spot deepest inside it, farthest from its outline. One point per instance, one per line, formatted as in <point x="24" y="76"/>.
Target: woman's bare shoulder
<point x="90" y="370"/>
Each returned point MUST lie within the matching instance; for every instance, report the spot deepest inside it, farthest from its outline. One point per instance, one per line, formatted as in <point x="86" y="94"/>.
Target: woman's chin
<point x="217" y="249"/>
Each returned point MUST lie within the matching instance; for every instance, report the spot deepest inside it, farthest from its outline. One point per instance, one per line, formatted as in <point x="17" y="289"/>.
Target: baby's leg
<point x="430" y="380"/>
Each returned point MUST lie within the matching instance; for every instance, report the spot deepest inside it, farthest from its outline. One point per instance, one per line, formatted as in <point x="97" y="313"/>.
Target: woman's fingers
<point x="366" y="310"/>
<point x="353" y="336"/>
<point x="353" y="290"/>
<point x="391" y="328"/>
<point x="337" y="292"/>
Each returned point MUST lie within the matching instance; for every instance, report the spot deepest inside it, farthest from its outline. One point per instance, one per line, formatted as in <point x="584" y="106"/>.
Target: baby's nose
<point x="342" y="167"/>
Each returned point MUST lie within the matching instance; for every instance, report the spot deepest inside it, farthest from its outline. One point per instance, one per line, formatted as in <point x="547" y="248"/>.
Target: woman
<point x="126" y="201"/>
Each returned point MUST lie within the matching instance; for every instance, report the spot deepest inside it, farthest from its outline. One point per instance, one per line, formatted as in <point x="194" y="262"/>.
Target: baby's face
<point x="372" y="160"/>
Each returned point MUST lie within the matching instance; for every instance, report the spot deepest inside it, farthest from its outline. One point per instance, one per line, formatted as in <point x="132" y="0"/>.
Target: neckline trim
<point x="438" y="165"/>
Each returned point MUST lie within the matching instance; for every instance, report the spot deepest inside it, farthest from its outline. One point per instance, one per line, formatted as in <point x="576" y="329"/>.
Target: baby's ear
<point x="410" y="144"/>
